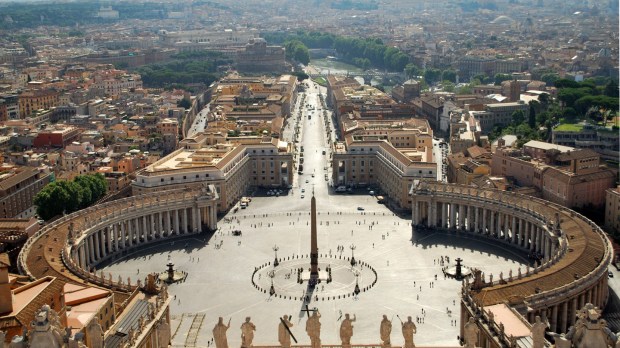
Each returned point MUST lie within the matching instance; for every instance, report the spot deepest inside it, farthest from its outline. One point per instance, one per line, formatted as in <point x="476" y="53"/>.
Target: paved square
<point x="220" y="272"/>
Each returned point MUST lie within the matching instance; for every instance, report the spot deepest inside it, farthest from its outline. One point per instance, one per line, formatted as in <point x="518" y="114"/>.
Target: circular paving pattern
<point x="338" y="278"/>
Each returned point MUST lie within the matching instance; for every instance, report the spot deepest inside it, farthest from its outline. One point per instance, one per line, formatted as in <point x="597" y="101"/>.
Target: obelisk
<point x="314" y="250"/>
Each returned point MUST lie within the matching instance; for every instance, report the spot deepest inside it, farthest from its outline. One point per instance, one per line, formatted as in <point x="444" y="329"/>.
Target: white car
<point x="302" y="196"/>
<point x="303" y="190"/>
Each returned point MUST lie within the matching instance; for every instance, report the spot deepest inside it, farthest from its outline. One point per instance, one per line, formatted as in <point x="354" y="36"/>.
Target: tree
<point x="518" y="117"/>
<point x="61" y="197"/>
<point x="611" y="89"/>
<point x="184" y="103"/>
<point x="449" y="75"/>
<point x="301" y="75"/>
<point x="432" y="75"/>
<point x="448" y="86"/>
<point x="483" y="78"/>
<point x="297" y="51"/>
<point x="544" y="100"/>
<point x="566" y="83"/>
<point x="550" y="78"/>
<point x="412" y="70"/>
<point x="570" y="95"/>
<point x="531" y="118"/>
<point x="499" y="78"/>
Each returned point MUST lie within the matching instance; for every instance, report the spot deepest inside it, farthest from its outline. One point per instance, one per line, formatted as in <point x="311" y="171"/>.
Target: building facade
<point x="18" y="189"/>
<point x="231" y="168"/>
<point x="612" y="209"/>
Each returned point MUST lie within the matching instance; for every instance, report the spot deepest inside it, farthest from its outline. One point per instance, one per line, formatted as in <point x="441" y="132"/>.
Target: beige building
<point x="231" y="167"/>
<point x="499" y="114"/>
<point x="569" y="177"/>
<point x="257" y="56"/>
<point x="388" y="153"/>
<point x="612" y="209"/>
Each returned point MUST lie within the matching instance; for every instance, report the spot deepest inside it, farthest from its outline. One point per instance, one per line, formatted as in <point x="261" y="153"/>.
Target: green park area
<point x="569" y="127"/>
<point x="320" y="80"/>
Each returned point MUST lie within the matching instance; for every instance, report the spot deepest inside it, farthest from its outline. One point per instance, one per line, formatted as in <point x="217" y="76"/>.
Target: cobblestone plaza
<point x="220" y="269"/>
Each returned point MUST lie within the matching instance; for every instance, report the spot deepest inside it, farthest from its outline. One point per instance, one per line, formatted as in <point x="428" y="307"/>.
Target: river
<point x="332" y="66"/>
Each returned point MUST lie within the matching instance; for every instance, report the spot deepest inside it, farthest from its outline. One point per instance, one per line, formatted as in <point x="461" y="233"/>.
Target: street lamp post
<point x="275" y="262"/>
<point x="352" y="247"/>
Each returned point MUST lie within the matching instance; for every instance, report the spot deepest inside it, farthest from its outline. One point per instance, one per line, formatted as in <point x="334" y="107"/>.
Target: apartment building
<point x="388" y="153"/>
<point x="57" y="136"/>
<point x="499" y="114"/>
<point x="35" y="99"/>
<point x="10" y="105"/>
<point x="564" y="175"/>
<point x="18" y="186"/>
<point x="232" y="167"/>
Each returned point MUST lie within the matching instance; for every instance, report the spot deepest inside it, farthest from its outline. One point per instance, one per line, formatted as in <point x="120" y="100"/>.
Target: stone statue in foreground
<point x="346" y="330"/>
<point x="384" y="331"/>
<point x="408" y="330"/>
<point x="313" y="328"/>
<point x="219" y="333"/>
<point x="247" y="333"/>
<point x="284" y="336"/>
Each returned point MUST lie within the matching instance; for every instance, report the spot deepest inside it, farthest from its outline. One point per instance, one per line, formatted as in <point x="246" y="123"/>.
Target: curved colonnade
<point x="71" y="247"/>
<point x="573" y="253"/>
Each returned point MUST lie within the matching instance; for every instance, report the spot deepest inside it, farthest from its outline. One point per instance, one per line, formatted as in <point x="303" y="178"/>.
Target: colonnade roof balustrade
<point x="587" y="256"/>
<point x="42" y="254"/>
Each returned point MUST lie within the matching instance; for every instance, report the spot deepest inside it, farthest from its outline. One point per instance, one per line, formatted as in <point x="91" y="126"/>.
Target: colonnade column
<point x="461" y="222"/>
<point x="87" y="253"/>
<point x="145" y="230"/>
<point x="554" y="318"/>
<point x="492" y="227"/>
<point x="521" y="240"/>
<point x="573" y="310"/>
<point x="184" y="220"/>
<point x="81" y="255"/>
<point x="195" y="220"/>
<point x="96" y="246"/>
<point x="116" y="234"/>
<point x="109" y="234"/>
<point x="130" y="231"/>
<point x="433" y="213"/>
<point x="484" y="220"/>
<point x="444" y="213"/>
<point x="176" y="222"/>
<point x="121" y="228"/>
<point x="513" y="231"/>
<point x="167" y="222"/>
<point x="153" y="227"/>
